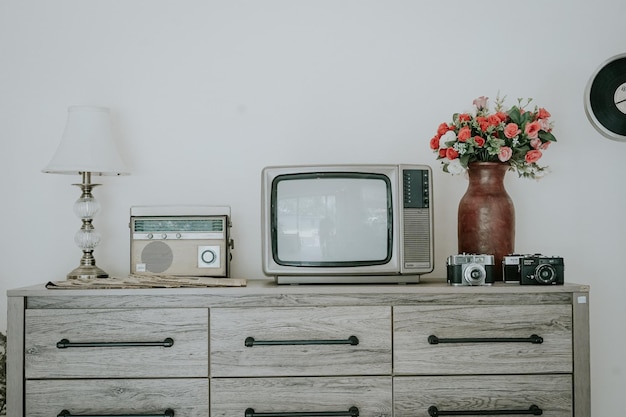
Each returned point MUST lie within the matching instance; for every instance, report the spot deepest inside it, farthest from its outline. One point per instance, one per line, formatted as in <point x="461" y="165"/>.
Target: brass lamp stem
<point x="87" y="238"/>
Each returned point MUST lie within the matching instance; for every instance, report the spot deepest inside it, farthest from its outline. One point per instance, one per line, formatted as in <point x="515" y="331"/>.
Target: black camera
<point x="467" y="269"/>
<point x="533" y="269"/>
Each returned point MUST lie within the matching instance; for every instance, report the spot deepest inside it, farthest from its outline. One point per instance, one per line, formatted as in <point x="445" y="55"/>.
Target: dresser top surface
<point x="265" y="287"/>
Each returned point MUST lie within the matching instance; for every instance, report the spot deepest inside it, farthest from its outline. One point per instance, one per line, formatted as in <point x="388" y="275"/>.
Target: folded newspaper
<point x="143" y="281"/>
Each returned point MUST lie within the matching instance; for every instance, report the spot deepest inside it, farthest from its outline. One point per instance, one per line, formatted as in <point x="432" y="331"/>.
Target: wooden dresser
<point x="300" y="351"/>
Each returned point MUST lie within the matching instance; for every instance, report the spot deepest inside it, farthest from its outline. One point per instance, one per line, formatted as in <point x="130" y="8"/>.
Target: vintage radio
<point x="180" y="240"/>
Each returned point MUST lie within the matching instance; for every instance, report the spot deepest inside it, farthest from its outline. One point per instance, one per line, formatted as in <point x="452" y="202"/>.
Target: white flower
<point x="449" y="136"/>
<point x="460" y="147"/>
<point x="455" y="168"/>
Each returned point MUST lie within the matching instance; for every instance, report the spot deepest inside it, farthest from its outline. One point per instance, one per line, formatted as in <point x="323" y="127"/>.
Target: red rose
<point x="434" y="143"/>
<point x="442" y="152"/>
<point x="464" y="117"/>
<point x="443" y="128"/>
<point x="493" y="119"/>
<point x="483" y="123"/>
<point x="543" y="114"/>
<point x="480" y="142"/>
<point x="502" y="116"/>
<point x="464" y="134"/>
<point x="532" y="156"/>
<point x="451" y="153"/>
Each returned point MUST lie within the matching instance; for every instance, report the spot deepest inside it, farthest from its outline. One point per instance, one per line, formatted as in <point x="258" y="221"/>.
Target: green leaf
<point x="546" y="136"/>
<point x="515" y="115"/>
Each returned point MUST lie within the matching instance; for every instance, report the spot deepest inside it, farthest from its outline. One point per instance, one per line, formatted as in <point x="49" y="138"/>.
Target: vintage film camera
<point x="533" y="269"/>
<point x="180" y="241"/>
<point x="468" y="269"/>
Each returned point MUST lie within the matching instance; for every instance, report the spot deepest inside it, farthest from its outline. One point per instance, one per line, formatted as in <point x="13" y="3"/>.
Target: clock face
<point x="605" y="98"/>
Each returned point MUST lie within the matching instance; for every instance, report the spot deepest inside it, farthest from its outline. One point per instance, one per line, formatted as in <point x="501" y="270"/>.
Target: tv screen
<point x="332" y="219"/>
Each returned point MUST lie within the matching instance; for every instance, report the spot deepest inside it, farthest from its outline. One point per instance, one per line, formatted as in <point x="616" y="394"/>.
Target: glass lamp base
<point x="87" y="272"/>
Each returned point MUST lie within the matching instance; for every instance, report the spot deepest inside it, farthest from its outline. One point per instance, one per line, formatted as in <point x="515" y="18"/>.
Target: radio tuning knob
<point x="164" y="235"/>
<point x="150" y="235"/>
<point x="178" y="235"/>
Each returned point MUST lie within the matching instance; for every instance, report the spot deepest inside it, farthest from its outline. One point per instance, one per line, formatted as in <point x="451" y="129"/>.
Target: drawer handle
<point x="535" y="339"/>
<point x="352" y="412"/>
<point x="533" y="410"/>
<point x="64" y="343"/>
<point x="168" y="413"/>
<point x="250" y="342"/>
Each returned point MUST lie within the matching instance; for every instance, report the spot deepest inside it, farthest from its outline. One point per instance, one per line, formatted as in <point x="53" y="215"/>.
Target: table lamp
<point x="87" y="148"/>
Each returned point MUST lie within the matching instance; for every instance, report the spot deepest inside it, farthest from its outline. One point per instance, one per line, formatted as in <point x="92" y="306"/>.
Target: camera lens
<point x="545" y="274"/>
<point x="474" y="274"/>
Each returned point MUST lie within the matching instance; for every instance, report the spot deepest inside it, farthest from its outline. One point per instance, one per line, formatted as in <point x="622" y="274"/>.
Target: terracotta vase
<point x="486" y="218"/>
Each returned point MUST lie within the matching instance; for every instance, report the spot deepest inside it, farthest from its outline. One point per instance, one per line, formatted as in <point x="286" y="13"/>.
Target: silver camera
<point x="468" y="269"/>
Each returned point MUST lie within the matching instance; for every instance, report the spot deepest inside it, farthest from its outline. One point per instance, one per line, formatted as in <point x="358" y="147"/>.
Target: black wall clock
<point x="605" y="98"/>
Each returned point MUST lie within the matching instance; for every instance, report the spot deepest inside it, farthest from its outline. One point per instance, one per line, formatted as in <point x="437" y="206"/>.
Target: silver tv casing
<point x="412" y="241"/>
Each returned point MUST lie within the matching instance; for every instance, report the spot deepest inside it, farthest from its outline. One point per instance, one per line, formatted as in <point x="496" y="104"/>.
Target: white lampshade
<point x="87" y="144"/>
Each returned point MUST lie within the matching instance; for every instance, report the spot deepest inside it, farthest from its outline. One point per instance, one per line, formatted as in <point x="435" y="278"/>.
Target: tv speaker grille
<point x="417" y="239"/>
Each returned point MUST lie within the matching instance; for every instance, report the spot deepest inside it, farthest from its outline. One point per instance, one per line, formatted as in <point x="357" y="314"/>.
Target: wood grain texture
<point x="188" y="357"/>
<point x="187" y="397"/>
<point x="264" y="293"/>
<point x="414" y="355"/>
<point x="15" y="357"/>
<point x="552" y="393"/>
<point x="231" y="396"/>
<point x="582" y="368"/>
<point x="230" y="327"/>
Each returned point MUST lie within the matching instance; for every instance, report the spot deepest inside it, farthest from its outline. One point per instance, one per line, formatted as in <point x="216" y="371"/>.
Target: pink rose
<point x="505" y="153"/>
<point x="535" y="143"/>
<point x="532" y="156"/>
<point x="545" y="145"/>
<point x="532" y="130"/>
<point x="545" y="124"/>
<point x="511" y="130"/>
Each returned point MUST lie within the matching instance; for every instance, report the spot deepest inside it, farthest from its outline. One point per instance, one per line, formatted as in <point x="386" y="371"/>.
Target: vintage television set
<point x="347" y="223"/>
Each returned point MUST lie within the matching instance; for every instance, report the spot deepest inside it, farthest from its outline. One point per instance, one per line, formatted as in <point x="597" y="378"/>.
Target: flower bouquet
<point x="516" y="137"/>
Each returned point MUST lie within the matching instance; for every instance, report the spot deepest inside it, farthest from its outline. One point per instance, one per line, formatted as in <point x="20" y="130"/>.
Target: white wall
<point x="207" y="92"/>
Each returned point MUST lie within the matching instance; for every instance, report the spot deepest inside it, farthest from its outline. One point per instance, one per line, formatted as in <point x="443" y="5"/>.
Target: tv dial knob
<point x="178" y="235"/>
<point x="163" y="235"/>
<point x="150" y="236"/>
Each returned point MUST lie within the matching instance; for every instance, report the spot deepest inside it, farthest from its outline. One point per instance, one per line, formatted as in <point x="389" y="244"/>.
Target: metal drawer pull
<point x="168" y="413"/>
<point x="352" y="412"/>
<point x="434" y="340"/>
<point x="250" y="342"/>
<point x="64" y="343"/>
<point x="533" y="410"/>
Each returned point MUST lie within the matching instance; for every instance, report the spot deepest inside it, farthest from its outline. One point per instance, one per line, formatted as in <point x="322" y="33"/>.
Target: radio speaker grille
<point x="417" y="239"/>
<point x="157" y="256"/>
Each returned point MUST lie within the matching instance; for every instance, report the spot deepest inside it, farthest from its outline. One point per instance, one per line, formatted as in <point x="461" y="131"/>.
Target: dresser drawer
<point x="186" y="397"/>
<point x="307" y="341"/>
<point x="112" y="343"/>
<point x="482" y="339"/>
<point x="483" y="395"/>
<point x="252" y="397"/>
